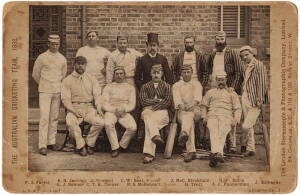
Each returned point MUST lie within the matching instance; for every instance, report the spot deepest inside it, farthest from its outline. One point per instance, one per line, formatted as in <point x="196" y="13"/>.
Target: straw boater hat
<point x="54" y="38"/>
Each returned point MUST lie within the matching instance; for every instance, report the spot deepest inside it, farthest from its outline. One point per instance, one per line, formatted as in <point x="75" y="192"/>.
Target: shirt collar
<point x="127" y="50"/>
<point x="152" y="56"/>
<point x="251" y="63"/>
<point x="75" y="74"/>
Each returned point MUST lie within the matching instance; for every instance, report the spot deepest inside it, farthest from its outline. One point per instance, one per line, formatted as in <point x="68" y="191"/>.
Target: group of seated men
<point x="107" y="95"/>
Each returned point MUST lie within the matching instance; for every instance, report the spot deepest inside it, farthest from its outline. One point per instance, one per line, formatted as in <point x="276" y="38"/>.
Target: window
<point x="234" y="21"/>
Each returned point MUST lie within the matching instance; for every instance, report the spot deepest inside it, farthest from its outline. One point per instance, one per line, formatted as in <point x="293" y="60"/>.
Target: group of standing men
<point x="105" y="88"/>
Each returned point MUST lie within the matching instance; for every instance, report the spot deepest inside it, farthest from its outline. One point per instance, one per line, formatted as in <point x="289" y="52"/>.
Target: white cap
<point x="54" y="38"/>
<point x="221" y="74"/>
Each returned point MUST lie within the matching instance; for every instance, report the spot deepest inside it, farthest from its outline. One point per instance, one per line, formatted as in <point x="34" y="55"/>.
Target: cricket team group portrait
<point x="135" y="87"/>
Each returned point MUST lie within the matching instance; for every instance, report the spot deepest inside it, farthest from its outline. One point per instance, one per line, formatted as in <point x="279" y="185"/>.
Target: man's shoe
<point x="249" y="153"/>
<point x="90" y="150"/>
<point x="54" y="147"/>
<point x="243" y="149"/>
<point x="115" y="153"/>
<point x="183" y="138"/>
<point x="190" y="156"/>
<point x="43" y="151"/>
<point x="157" y="140"/>
<point x="122" y="150"/>
<point x="213" y="161"/>
<point x="148" y="159"/>
<point x="82" y="151"/>
<point x="219" y="158"/>
<point x="232" y="150"/>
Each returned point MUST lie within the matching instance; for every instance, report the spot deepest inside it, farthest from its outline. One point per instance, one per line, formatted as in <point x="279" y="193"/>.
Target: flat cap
<point x="186" y="67"/>
<point x="156" y="67"/>
<point x="221" y="74"/>
<point x="221" y="34"/>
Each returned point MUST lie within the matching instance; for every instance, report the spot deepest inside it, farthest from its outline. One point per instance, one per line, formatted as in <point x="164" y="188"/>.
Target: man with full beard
<point x="225" y="59"/>
<point x="192" y="57"/>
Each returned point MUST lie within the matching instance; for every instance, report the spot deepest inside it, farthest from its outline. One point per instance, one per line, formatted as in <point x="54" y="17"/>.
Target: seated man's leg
<point x="110" y="122"/>
<point x="74" y="129"/>
<point x="224" y="129"/>
<point x="129" y="124"/>
<point x="154" y="121"/>
<point x="97" y="122"/>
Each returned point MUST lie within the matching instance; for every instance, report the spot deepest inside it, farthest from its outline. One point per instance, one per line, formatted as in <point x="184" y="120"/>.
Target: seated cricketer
<point x="224" y="111"/>
<point x="156" y="99"/>
<point x="80" y="92"/>
<point x="118" y="101"/>
<point x="187" y="96"/>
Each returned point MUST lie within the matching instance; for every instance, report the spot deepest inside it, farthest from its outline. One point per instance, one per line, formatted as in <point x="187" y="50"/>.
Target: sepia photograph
<point x="149" y="87"/>
<point x="190" y="97"/>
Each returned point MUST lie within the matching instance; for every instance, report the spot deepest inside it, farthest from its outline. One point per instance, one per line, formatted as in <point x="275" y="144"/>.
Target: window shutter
<point x="230" y="21"/>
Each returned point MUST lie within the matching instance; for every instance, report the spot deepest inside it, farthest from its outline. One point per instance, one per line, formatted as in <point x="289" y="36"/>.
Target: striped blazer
<point x="233" y="68"/>
<point x="163" y="91"/>
<point x="202" y="72"/>
<point x="256" y="84"/>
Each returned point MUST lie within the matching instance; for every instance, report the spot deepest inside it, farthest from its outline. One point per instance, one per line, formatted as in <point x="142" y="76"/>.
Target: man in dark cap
<point x="143" y="69"/>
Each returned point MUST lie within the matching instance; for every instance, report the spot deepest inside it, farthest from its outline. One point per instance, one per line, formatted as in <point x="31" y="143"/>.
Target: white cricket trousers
<point x="90" y="116"/>
<point x="49" y="111"/>
<point x="219" y="127"/>
<point x="127" y="121"/>
<point x="154" y="121"/>
<point x="250" y="114"/>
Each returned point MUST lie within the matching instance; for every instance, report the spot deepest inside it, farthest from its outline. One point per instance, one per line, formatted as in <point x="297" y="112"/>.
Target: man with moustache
<point x="80" y="94"/>
<point x="96" y="57"/>
<point x="152" y="57"/>
<point x="226" y="59"/>
<point x="156" y="100"/>
<point x="118" y="101"/>
<point x="192" y="57"/>
<point x="221" y="110"/>
<point x="187" y="96"/>
<point x="123" y="56"/>
<point x="255" y="93"/>
<point x="48" y="71"/>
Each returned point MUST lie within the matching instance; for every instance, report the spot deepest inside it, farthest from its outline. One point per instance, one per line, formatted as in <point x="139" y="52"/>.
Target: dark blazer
<point x="202" y="71"/>
<point x="233" y="68"/>
<point x="143" y="69"/>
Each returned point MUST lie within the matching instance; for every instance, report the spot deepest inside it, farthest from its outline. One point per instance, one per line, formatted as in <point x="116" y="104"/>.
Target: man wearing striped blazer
<point x="255" y="93"/>
<point x="226" y="59"/>
<point x="156" y="100"/>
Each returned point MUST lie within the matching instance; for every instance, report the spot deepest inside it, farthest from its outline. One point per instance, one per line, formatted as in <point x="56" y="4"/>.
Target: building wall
<point x="171" y="22"/>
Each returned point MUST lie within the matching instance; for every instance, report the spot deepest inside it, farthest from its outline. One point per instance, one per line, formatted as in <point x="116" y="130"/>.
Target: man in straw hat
<point x="221" y="110"/>
<point x="187" y="96"/>
<point x="81" y="96"/>
<point x="226" y="59"/>
<point x="96" y="57"/>
<point x="118" y="101"/>
<point x="254" y="94"/>
<point x="156" y="100"/>
<point x="49" y="69"/>
<point x="122" y="56"/>
<point x="143" y="69"/>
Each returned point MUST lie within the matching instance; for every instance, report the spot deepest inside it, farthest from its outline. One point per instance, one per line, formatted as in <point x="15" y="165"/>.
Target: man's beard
<point x="220" y="46"/>
<point x="221" y="85"/>
<point x="189" y="48"/>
